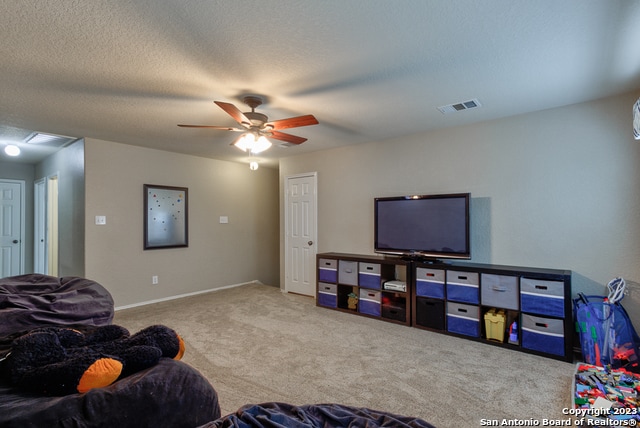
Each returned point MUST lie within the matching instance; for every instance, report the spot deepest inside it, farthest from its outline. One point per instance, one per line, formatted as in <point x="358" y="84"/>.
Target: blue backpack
<point x="607" y="337"/>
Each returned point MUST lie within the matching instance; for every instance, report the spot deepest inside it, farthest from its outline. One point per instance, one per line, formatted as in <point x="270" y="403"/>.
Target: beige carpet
<point x="257" y="344"/>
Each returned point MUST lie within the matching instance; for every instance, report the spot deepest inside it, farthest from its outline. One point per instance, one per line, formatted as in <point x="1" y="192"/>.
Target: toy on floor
<point x="62" y="360"/>
<point x="607" y="336"/>
<point x="605" y="393"/>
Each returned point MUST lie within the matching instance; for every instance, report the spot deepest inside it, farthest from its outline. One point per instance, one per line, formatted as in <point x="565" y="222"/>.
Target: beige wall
<point x="556" y="188"/>
<point x="68" y="165"/>
<point x="244" y="250"/>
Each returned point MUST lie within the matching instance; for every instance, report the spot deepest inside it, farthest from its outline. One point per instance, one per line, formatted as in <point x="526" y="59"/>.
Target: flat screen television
<point x="423" y="226"/>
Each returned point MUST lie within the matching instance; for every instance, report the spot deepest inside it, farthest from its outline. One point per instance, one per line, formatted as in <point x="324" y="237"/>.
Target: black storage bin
<point x="430" y="313"/>
<point x="394" y="311"/>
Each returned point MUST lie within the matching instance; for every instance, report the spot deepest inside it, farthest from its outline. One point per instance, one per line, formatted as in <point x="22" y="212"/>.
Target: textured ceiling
<point x="368" y="70"/>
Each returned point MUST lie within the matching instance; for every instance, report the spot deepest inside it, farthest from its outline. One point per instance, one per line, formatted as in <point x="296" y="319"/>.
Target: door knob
<point x="15" y="241"/>
<point x="310" y="242"/>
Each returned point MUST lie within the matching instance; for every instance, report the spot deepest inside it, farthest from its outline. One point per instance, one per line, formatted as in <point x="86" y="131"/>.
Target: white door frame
<point x="22" y="185"/>
<point x="313" y="229"/>
<point x="40" y="226"/>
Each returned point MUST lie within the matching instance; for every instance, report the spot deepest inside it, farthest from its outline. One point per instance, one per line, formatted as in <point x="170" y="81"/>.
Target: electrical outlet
<point x="154" y="279"/>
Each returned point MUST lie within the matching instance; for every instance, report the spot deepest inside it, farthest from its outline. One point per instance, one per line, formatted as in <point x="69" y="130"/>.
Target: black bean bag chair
<point x="169" y="394"/>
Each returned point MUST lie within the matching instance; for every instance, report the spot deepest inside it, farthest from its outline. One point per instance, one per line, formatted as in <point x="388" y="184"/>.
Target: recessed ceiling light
<point x="12" y="150"/>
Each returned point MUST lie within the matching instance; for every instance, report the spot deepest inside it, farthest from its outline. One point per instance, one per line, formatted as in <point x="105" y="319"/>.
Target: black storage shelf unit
<point x="356" y="284"/>
<point x="525" y="309"/>
<point x="520" y="308"/>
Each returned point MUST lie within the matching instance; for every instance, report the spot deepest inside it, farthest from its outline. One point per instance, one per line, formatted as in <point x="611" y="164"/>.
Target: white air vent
<point x="464" y="105"/>
<point x="49" y="140"/>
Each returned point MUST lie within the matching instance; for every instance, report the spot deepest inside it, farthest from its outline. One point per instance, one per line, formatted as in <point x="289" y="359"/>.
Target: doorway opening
<point x="45" y="258"/>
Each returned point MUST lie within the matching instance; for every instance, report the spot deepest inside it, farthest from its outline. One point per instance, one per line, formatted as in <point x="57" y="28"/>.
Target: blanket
<point x="273" y="415"/>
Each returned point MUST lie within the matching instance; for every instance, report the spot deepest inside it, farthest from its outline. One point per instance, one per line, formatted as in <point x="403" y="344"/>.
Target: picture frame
<point x="166" y="217"/>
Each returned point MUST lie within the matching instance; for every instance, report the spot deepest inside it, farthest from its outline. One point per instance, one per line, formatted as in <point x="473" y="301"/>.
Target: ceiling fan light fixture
<point x="261" y="145"/>
<point x="244" y="142"/>
<point x="256" y="126"/>
<point x="249" y="142"/>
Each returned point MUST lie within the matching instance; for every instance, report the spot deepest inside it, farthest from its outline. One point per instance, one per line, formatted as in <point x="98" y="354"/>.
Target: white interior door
<point x="300" y="236"/>
<point x="11" y="227"/>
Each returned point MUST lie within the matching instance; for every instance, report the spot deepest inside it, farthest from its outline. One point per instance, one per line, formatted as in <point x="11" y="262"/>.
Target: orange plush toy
<point x="61" y="360"/>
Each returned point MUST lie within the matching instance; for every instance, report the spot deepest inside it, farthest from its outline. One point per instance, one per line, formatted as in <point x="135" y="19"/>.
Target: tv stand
<point x="519" y="308"/>
<point x="356" y="284"/>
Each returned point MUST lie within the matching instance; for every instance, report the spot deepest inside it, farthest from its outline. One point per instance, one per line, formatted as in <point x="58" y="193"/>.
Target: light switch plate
<point x="224" y="219"/>
<point x="101" y="220"/>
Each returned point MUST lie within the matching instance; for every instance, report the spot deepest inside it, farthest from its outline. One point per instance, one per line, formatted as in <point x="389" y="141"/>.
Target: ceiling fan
<point x="256" y="126"/>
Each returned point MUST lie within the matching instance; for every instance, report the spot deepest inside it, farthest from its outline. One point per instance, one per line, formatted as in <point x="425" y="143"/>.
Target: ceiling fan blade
<point x="234" y="112"/>
<point x="222" y="128"/>
<point x="293" y="139"/>
<point x="293" y="122"/>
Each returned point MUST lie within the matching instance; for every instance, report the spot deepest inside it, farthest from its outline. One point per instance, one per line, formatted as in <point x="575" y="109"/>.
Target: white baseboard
<point x="179" y="296"/>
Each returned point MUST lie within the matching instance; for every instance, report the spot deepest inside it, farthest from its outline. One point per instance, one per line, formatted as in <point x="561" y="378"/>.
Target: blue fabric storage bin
<point x="369" y="280"/>
<point x="328" y="270"/>
<point x="369" y="275"/>
<point x="430" y="289"/>
<point x="543" y="334"/>
<point x="542" y="297"/>
<point x="327" y="295"/>
<point x="328" y="300"/>
<point x="462" y="293"/>
<point x="463" y="319"/>
<point x="369" y="302"/>
<point x="542" y="305"/>
<point x="430" y="283"/>
<point x="463" y="287"/>
<point x="328" y="275"/>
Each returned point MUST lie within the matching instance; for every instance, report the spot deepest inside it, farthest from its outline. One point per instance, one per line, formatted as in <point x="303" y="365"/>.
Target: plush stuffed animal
<point x="61" y="360"/>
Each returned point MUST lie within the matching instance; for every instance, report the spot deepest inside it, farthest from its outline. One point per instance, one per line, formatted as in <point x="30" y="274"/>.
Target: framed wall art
<point x="166" y="221"/>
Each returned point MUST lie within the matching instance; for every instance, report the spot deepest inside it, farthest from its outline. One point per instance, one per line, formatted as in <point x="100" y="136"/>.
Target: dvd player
<point x="395" y="286"/>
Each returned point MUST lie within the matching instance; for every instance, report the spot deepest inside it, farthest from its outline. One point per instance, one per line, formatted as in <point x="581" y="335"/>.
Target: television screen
<point x="434" y="226"/>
